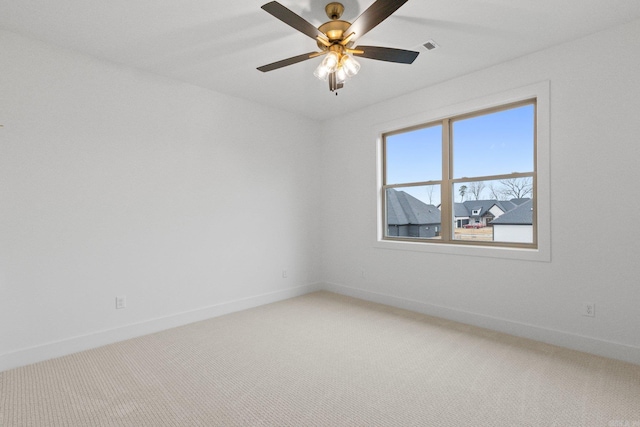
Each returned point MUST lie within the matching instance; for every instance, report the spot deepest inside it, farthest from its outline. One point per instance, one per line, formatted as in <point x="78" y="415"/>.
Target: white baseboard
<point x="67" y="346"/>
<point x="64" y="347"/>
<point x="595" y="346"/>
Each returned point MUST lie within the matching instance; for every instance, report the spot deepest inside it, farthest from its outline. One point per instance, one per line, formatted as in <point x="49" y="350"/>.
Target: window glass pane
<point x="414" y="156"/>
<point x="494" y="211"/>
<point x="494" y="144"/>
<point x="413" y="212"/>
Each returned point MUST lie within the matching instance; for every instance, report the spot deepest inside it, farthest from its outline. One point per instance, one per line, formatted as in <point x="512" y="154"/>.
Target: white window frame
<point x="539" y="91"/>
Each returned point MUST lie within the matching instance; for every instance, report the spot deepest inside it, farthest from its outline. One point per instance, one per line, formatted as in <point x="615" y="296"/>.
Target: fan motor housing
<point x="334" y="29"/>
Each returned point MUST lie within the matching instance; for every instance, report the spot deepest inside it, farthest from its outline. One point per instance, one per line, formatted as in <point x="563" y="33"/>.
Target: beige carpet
<point x="323" y="360"/>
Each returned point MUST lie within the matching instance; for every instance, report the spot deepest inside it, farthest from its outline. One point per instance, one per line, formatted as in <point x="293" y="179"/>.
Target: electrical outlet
<point x="121" y="302"/>
<point x="284" y="274"/>
<point x="588" y="309"/>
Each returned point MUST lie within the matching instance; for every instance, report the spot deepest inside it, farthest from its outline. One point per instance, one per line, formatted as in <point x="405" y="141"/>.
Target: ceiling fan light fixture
<point x="331" y="61"/>
<point x="349" y="65"/>
<point x="329" y="65"/>
<point x="322" y="72"/>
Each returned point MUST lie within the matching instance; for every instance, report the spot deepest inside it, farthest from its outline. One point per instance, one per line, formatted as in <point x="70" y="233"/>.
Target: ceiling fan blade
<point x="375" y="14"/>
<point x="285" y="62"/>
<point x="388" y="54"/>
<point x="290" y="18"/>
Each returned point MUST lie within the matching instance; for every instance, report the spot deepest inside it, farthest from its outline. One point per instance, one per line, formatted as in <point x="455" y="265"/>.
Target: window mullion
<point x="446" y="200"/>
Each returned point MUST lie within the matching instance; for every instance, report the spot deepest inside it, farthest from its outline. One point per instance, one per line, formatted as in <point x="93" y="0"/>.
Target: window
<point x="467" y="179"/>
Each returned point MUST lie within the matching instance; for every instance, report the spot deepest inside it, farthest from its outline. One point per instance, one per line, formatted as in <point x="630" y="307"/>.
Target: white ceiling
<point x="218" y="45"/>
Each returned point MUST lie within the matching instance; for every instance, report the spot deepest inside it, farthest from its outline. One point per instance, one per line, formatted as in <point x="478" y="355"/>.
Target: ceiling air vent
<point x="430" y="45"/>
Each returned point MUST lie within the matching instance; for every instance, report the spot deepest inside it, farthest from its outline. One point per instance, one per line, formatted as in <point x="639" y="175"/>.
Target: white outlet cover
<point x="121" y="302"/>
<point x="588" y="309"/>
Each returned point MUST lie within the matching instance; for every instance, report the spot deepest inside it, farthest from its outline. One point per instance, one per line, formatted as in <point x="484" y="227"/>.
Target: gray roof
<point x="520" y="201"/>
<point x="468" y="206"/>
<point x="521" y="215"/>
<point x="403" y="209"/>
<point x="464" y="209"/>
<point x="459" y="209"/>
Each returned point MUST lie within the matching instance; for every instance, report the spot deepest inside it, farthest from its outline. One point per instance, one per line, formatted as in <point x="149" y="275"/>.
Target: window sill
<point x="539" y="254"/>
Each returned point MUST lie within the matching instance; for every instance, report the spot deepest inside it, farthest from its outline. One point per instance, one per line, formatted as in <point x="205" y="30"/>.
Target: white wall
<point x="191" y="203"/>
<point x="115" y="182"/>
<point x="595" y="150"/>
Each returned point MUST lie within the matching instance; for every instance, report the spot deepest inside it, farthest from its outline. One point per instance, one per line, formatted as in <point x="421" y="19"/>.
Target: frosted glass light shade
<point x="350" y="65"/>
<point x="331" y="61"/>
<point x="328" y="65"/>
<point x="321" y="72"/>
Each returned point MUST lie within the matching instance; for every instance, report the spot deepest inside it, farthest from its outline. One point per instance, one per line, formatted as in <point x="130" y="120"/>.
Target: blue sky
<point x="491" y="144"/>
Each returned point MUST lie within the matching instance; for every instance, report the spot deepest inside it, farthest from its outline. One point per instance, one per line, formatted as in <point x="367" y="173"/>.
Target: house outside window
<point x="474" y="169"/>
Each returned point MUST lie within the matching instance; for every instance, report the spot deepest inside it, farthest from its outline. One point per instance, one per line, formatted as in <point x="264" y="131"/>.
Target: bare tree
<point x="494" y="192"/>
<point x="476" y="188"/>
<point x="517" y="188"/>
<point x="430" y="194"/>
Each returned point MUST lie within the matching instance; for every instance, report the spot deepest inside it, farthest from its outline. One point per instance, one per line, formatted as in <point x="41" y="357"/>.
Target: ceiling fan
<point x="336" y="40"/>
